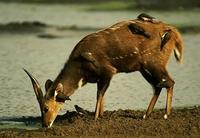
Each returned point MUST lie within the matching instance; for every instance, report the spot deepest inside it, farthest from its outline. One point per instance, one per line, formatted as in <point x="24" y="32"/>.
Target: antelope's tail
<point x="179" y="48"/>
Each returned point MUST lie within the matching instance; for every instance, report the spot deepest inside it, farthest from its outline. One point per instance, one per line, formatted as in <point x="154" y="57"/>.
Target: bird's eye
<point x="46" y="109"/>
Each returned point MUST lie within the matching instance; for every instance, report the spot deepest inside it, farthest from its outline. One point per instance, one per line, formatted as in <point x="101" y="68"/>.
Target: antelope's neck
<point x="71" y="78"/>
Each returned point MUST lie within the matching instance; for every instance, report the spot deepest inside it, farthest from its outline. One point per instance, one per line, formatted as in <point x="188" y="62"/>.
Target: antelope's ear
<point x="59" y="95"/>
<point x="165" y="38"/>
<point x="48" y="84"/>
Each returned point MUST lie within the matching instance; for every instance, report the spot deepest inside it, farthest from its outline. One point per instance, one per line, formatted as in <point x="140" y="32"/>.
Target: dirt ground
<point x="121" y="123"/>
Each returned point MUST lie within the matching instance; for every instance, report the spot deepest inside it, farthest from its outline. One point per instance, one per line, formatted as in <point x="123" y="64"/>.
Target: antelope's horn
<point x="37" y="88"/>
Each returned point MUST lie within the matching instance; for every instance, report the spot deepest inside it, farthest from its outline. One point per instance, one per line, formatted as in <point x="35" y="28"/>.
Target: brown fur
<point x="128" y="46"/>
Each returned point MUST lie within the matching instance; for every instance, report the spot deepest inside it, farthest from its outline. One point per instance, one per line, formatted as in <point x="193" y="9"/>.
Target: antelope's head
<point x="51" y="102"/>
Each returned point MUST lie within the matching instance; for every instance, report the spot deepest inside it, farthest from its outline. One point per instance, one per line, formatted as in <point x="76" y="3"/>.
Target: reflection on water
<point x="44" y="58"/>
<point x="20" y="124"/>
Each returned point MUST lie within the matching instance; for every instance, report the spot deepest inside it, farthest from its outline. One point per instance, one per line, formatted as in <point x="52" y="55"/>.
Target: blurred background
<point x="39" y="35"/>
<point x="149" y="4"/>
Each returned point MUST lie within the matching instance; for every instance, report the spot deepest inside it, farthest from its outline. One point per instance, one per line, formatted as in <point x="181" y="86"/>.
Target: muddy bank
<point x="37" y="26"/>
<point x="42" y="30"/>
<point x="23" y="27"/>
<point x="182" y="123"/>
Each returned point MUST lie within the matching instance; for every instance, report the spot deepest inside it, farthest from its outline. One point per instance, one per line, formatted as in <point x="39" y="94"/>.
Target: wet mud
<point x="23" y="27"/>
<point x="121" y="123"/>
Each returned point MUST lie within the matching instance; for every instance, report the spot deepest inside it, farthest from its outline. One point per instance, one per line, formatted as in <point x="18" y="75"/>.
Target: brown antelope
<point x="142" y="44"/>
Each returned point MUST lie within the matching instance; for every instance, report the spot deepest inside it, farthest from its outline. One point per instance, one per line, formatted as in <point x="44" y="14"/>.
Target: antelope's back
<point x="124" y="48"/>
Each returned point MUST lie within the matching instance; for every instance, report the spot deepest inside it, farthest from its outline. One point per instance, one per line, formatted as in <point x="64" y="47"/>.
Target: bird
<point x="80" y="110"/>
<point x="146" y="17"/>
<point x="135" y="29"/>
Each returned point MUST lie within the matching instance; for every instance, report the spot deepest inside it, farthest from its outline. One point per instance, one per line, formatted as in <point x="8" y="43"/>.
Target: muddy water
<point x="44" y="58"/>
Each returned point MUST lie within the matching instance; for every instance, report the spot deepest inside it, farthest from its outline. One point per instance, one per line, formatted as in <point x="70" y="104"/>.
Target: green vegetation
<point x="64" y="1"/>
<point x="112" y="6"/>
<point x="167" y="4"/>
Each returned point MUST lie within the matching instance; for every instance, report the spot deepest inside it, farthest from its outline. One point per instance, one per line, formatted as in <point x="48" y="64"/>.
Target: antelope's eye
<point x="46" y="109"/>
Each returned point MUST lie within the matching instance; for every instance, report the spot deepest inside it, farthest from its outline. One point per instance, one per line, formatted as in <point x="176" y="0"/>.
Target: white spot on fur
<point x="89" y="53"/>
<point x="80" y="83"/>
<point x="132" y="21"/>
<point x="147" y="71"/>
<point x="144" y="116"/>
<point x="106" y="32"/>
<point x="163" y="80"/>
<point x="165" y="116"/>
<point x="115" y="28"/>
<point x="55" y="93"/>
<point x="50" y="124"/>
<point x="135" y="52"/>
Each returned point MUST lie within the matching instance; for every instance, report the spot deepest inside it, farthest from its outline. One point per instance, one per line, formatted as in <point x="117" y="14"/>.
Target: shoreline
<point x="48" y="31"/>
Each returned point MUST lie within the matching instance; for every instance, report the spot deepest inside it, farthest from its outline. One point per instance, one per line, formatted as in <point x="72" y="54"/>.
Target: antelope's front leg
<point x="102" y="86"/>
<point x="98" y="105"/>
<point x="168" y="83"/>
<point x="152" y="102"/>
<point x="169" y="102"/>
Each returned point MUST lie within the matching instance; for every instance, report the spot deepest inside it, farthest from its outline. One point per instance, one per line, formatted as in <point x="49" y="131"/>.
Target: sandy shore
<point x="121" y="123"/>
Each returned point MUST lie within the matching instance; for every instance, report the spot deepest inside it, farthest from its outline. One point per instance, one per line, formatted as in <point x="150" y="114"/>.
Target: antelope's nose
<point x="44" y="125"/>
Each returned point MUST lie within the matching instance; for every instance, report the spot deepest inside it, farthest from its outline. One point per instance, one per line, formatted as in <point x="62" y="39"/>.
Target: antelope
<point x="141" y="44"/>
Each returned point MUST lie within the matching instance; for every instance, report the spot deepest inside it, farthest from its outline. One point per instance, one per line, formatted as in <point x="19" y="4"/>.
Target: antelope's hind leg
<point x="102" y="86"/>
<point x="168" y="83"/>
<point x="156" y="94"/>
<point x="169" y="102"/>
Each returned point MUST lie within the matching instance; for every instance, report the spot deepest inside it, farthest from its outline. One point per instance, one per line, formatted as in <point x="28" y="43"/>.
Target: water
<point x="44" y="58"/>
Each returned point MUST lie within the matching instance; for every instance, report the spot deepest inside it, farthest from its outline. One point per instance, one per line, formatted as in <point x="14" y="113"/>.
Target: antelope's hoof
<point x="144" y="116"/>
<point x="165" y="116"/>
<point x="95" y="119"/>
